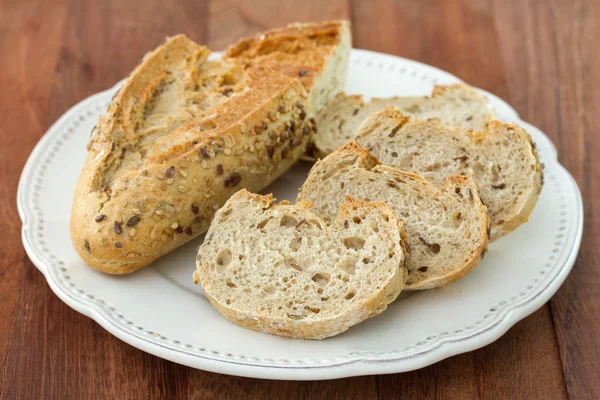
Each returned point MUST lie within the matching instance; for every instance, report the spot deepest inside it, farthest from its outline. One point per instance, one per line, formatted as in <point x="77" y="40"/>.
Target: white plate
<point x="159" y="310"/>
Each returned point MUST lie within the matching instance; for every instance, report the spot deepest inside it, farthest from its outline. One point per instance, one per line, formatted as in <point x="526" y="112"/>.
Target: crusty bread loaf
<point x="317" y="53"/>
<point x="501" y="158"/>
<point x="454" y="105"/>
<point x="283" y="270"/>
<point x="179" y="138"/>
<point x="446" y="228"/>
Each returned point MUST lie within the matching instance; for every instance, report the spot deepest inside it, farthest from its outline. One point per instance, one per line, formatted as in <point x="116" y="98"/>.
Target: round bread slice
<point x="501" y="158"/>
<point x="455" y="105"/>
<point x="446" y="227"/>
<point x="280" y="269"/>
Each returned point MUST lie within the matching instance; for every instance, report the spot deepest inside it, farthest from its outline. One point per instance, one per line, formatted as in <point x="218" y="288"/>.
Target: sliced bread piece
<point x="280" y="269"/>
<point x="455" y="105"/>
<point x="501" y="158"/>
<point x="317" y="53"/>
<point x="446" y="228"/>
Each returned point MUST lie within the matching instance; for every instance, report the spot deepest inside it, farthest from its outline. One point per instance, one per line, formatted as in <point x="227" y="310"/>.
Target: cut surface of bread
<point x="446" y="228"/>
<point x="181" y="136"/>
<point x="281" y="269"/>
<point x="501" y="158"/>
<point x="455" y="105"/>
<point x="317" y="53"/>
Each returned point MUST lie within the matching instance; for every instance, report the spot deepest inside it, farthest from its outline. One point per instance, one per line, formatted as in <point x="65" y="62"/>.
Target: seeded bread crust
<point x="446" y="228"/>
<point x="455" y="105"/>
<point x="282" y="270"/>
<point x="316" y="53"/>
<point x="501" y="158"/>
<point x="180" y="137"/>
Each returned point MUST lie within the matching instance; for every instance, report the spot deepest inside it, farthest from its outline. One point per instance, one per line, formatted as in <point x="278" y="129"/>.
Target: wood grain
<point x="539" y="56"/>
<point x="26" y="82"/>
<point x="553" y="72"/>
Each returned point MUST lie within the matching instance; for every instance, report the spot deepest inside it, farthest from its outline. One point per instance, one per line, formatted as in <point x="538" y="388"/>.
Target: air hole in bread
<point x="354" y="242"/>
<point x="348" y="264"/>
<point x="350" y="295"/>
<point x="264" y="222"/>
<point x="296" y="243"/>
<point x="227" y="301"/>
<point x="223" y="259"/>
<point x="313" y="309"/>
<point x="366" y="260"/>
<point x="225" y="213"/>
<point x="356" y="219"/>
<point x="422" y="269"/>
<point x="321" y="279"/>
<point x="433" y="167"/>
<point x="394" y="154"/>
<point x="316" y="223"/>
<point x="287" y="220"/>
<point x="328" y="174"/>
<point x="269" y="289"/>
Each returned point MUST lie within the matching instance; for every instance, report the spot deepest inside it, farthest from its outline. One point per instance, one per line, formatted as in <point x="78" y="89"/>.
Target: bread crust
<point x="323" y="327"/>
<point x="139" y="197"/>
<point x="297" y="50"/>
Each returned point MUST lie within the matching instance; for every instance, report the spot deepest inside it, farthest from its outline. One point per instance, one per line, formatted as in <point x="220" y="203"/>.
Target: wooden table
<point x="541" y="56"/>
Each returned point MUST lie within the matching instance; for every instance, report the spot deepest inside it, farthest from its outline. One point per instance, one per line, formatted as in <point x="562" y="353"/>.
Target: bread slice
<point x="317" y="53"/>
<point x="181" y="136"/>
<point x="501" y="158"/>
<point x="455" y="105"/>
<point x="280" y="269"/>
<point x="446" y="228"/>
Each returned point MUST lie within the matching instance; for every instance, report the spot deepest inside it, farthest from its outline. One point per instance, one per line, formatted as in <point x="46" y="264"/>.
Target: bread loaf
<point x="179" y="138"/>
<point x="283" y="270"/>
<point x="446" y="228"/>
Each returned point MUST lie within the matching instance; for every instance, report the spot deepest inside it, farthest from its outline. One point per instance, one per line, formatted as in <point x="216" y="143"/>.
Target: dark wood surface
<point x="540" y="56"/>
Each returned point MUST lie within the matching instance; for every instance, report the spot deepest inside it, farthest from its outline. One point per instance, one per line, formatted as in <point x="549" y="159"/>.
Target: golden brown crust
<point x="297" y="50"/>
<point x="140" y="196"/>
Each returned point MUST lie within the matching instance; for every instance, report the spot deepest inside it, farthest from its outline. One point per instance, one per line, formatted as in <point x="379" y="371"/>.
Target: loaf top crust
<point x="297" y="50"/>
<point x="178" y="138"/>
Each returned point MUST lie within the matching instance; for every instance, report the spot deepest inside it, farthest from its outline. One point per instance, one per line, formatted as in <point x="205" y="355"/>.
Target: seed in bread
<point x="501" y="158"/>
<point x="446" y="228"/>
<point x="280" y="269"/>
<point x="454" y="105"/>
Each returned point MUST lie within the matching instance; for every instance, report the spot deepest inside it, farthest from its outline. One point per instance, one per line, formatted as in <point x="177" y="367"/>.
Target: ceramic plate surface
<point x="159" y="310"/>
